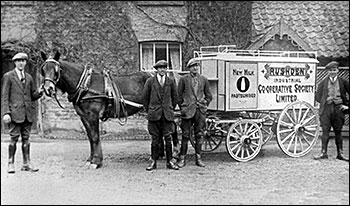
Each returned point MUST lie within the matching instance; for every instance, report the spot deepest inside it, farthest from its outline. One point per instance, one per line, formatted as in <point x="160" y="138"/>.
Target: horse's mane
<point x="71" y="64"/>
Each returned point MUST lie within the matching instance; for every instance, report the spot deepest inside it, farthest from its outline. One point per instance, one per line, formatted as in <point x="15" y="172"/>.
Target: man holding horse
<point x="18" y="95"/>
<point x="160" y="99"/>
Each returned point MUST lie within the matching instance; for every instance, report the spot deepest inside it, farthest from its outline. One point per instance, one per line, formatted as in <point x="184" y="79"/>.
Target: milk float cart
<point x="258" y="94"/>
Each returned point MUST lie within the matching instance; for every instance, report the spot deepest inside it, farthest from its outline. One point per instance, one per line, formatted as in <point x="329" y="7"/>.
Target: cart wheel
<point x="213" y="135"/>
<point x="244" y="140"/>
<point x="297" y="129"/>
<point x="266" y="126"/>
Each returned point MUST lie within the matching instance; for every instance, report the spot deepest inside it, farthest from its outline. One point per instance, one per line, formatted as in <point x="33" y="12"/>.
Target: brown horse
<point x="90" y="101"/>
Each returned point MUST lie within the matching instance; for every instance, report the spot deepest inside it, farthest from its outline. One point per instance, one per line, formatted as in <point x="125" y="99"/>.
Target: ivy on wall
<point x="99" y="34"/>
<point x="213" y="23"/>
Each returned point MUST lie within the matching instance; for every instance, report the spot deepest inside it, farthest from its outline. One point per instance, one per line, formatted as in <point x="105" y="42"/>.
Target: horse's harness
<point x="112" y="92"/>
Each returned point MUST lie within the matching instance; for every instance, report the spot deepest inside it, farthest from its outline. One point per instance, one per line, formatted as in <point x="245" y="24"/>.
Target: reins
<point x="57" y="70"/>
<point x="112" y="91"/>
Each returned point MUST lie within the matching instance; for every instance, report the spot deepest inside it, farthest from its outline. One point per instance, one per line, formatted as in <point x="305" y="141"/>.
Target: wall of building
<point x="106" y="35"/>
<point x="18" y="19"/>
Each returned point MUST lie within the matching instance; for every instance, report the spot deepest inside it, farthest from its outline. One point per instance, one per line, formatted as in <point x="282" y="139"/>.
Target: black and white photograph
<point x="175" y="102"/>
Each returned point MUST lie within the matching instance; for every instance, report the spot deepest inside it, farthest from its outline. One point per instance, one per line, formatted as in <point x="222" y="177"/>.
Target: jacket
<point x="188" y="101"/>
<point x="155" y="104"/>
<point x="322" y="92"/>
<point x="17" y="101"/>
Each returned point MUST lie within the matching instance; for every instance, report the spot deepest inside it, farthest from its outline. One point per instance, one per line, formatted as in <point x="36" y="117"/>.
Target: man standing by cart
<point x="194" y="98"/>
<point x="160" y="99"/>
<point x="331" y="94"/>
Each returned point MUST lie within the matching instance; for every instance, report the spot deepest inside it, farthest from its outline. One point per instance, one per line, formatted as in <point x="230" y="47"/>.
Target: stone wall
<point x="104" y="35"/>
<point x="18" y="19"/>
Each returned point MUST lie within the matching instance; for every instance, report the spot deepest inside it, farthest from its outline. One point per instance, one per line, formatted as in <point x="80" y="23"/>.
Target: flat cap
<point x="332" y="64"/>
<point x="160" y="63"/>
<point x="20" y="56"/>
<point x="192" y="62"/>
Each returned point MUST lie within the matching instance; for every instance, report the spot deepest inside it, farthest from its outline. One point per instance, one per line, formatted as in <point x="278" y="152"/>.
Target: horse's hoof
<point x="93" y="166"/>
<point x="87" y="165"/>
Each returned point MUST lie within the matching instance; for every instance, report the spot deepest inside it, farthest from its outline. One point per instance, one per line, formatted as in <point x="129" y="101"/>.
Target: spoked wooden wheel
<point x="265" y="126"/>
<point x="297" y="129"/>
<point x="244" y="140"/>
<point x="213" y="135"/>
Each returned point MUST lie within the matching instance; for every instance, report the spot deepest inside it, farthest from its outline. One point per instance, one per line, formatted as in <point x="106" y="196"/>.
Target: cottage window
<point x="151" y="52"/>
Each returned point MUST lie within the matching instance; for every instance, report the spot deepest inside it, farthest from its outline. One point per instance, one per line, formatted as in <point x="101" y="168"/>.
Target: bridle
<point x="53" y="81"/>
<point x="57" y="71"/>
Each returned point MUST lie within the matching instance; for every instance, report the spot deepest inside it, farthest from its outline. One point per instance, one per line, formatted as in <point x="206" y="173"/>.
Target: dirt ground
<point x="270" y="178"/>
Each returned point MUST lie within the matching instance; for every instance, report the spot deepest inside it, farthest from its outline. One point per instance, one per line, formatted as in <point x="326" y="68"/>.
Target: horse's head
<point x="50" y="71"/>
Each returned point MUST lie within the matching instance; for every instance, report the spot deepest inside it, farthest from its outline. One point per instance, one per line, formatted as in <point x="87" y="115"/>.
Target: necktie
<point x="162" y="81"/>
<point x="195" y="84"/>
<point x="22" y="76"/>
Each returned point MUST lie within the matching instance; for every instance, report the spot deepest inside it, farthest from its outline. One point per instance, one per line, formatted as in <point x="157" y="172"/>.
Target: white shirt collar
<point x="160" y="77"/>
<point x="334" y="78"/>
<point x="19" y="73"/>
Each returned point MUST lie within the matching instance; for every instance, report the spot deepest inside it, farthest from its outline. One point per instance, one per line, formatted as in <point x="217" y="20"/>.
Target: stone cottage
<point x="130" y="36"/>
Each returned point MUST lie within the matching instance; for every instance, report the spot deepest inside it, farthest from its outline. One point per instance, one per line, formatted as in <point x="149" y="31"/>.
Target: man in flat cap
<point x="18" y="95"/>
<point x="194" y="98"/>
<point x="160" y="99"/>
<point x="331" y="94"/>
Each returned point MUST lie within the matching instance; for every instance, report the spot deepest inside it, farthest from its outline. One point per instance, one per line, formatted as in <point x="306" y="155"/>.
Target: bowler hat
<point x="332" y="64"/>
<point x="160" y="63"/>
<point x="20" y="56"/>
<point x="192" y="62"/>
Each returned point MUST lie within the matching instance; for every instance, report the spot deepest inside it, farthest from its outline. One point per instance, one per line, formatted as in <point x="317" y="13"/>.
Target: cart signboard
<point x="280" y="84"/>
<point x="242" y="85"/>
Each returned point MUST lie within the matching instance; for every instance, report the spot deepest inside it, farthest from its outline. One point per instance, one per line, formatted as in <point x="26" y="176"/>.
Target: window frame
<point x="154" y="43"/>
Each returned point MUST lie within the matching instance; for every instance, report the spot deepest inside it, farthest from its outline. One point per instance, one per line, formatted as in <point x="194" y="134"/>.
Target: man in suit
<point x="331" y="94"/>
<point x="194" y="98"/>
<point x="18" y="94"/>
<point x="160" y="99"/>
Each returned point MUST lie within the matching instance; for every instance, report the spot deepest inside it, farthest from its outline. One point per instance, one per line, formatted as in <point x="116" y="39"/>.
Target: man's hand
<point x="7" y="118"/>
<point x="344" y="107"/>
<point x="41" y="90"/>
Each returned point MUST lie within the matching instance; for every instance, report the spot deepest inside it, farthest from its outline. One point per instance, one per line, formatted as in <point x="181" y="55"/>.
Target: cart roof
<point x="229" y="53"/>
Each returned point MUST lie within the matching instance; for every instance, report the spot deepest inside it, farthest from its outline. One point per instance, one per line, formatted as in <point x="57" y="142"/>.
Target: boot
<point x="340" y="153"/>
<point x="322" y="155"/>
<point x="198" y="150"/>
<point x="199" y="161"/>
<point x="161" y="150"/>
<point x="152" y="165"/>
<point x="27" y="166"/>
<point x="176" y="152"/>
<point x="11" y="163"/>
<point x="324" y="142"/>
<point x="171" y="165"/>
<point x="182" y="162"/>
<point x="169" y="154"/>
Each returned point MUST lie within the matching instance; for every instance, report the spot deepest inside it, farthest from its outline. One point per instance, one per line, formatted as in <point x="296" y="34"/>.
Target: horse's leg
<point x="90" y="119"/>
<point x="92" y="128"/>
<point x="88" y="131"/>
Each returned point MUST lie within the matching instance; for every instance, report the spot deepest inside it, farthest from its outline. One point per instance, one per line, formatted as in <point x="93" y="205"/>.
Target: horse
<point x="86" y="89"/>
